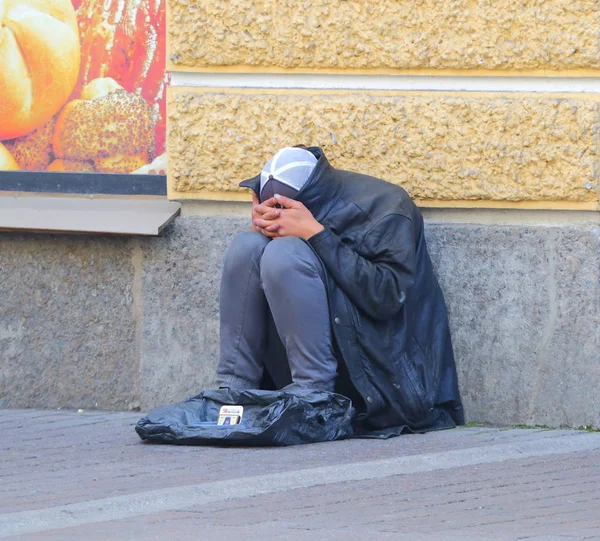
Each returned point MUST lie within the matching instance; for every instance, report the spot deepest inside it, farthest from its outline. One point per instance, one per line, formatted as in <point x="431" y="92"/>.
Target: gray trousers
<point x="284" y="279"/>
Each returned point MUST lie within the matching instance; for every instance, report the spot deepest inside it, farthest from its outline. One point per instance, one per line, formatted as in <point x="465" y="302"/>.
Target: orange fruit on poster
<point x="39" y="62"/>
<point x="7" y="162"/>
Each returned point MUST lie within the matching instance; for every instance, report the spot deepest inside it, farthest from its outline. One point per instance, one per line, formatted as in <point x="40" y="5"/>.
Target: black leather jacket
<point x="387" y="309"/>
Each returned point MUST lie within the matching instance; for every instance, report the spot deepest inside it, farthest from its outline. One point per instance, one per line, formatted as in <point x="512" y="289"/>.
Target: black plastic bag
<point x="290" y="416"/>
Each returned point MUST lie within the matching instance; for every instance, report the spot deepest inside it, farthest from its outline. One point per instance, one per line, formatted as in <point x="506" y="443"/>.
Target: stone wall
<point x="441" y="147"/>
<point x="428" y="34"/>
<point x="123" y="323"/>
<point x="127" y="323"/>
<point x="451" y="148"/>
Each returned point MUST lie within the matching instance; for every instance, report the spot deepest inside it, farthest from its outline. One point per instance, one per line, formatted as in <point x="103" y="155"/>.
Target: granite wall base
<point x="128" y="323"/>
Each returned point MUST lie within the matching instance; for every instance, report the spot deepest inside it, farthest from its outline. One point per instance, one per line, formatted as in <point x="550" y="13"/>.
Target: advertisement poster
<point x="82" y="86"/>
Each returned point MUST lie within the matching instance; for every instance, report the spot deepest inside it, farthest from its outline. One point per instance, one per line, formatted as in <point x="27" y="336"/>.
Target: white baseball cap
<point x="286" y="172"/>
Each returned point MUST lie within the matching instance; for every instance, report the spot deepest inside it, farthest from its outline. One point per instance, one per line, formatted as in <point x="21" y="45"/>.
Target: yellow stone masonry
<point x="443" y="147"/>
<point x="357" y="34"/>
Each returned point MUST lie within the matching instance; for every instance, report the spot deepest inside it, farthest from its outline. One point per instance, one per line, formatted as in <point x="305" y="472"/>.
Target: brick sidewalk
<point x="69" y="476"/>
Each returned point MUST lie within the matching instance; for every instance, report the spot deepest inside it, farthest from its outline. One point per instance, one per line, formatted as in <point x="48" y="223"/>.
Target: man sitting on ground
<point x="334" y="289"/>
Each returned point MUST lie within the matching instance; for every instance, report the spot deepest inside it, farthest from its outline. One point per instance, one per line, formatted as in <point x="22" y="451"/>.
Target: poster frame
<point x="46" y="182"/>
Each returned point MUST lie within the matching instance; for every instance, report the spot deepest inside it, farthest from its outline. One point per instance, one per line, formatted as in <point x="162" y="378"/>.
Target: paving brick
<point x="62" y="458"/>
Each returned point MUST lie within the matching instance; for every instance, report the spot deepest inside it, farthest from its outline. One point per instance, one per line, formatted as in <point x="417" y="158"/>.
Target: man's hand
<point x="293" y="220"/>
<point x="255" y="215"/>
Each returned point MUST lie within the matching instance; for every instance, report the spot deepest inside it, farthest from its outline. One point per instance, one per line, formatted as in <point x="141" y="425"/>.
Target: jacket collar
<point x="321" y="191"/>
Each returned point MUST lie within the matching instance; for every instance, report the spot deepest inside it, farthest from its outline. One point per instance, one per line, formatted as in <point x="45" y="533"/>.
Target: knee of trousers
<point x="287" y="255"/>
<point x="245" y="249"/>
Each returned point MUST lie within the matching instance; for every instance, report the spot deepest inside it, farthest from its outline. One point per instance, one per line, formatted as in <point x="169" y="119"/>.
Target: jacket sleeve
<point x="376" y="283"/>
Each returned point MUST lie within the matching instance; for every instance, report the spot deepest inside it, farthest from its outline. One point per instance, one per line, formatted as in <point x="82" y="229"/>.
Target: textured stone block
<point x="430" y="35"/>
<point x="524" y="306"/>
<point x="67" y="326"/>
<point x="437" y="146"/>
<point x="180" y="289"/>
